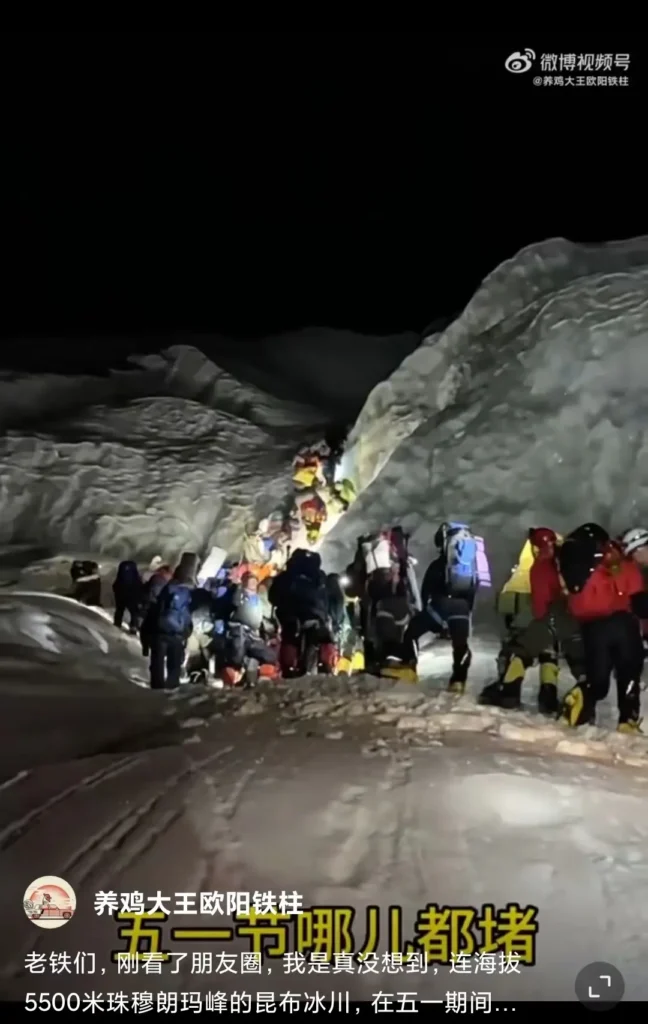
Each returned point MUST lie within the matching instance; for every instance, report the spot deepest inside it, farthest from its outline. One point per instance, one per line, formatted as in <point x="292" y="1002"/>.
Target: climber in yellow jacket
<point x="537" y="626"/>
<point x="308" y="472"/>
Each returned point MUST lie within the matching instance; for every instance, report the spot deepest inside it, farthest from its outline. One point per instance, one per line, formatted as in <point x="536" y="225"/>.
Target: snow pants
<point x="88" y="592"/>
<point x="167" y="658"/>
<point x="241" y="644"/>
<point x="292" y="642"/>
<point x="127" y="602"/>
<point x="615" y="645"/>
<point x="384" y="617"/>
<point x="543" y="639"/>
<point x="146" y="638"/>
<point x="445" y="614"/>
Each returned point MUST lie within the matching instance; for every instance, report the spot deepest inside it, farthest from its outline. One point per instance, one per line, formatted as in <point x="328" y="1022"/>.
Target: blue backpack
<point x="174" y="610"/>
<point x="461" y="559"/>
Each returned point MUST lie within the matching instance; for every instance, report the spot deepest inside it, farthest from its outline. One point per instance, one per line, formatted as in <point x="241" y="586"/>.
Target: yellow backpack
<point x="515" y="595"/>
<point x="305" y="476"/>
<point x="519" y="582"/>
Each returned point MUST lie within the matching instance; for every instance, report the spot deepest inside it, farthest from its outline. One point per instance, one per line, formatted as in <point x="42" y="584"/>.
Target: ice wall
<point x="528" y="408"/>
<point x="531" y="408"/>
<point x="174" y="454"/>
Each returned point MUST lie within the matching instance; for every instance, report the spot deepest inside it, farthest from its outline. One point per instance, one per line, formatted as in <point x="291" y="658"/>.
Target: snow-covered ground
<point x="66" y="677"/>
<point x="362" y="793"/>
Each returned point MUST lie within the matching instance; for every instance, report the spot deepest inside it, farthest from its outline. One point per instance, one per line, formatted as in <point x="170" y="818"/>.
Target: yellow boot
<point x="404" y="673"/>
<point x="632" y="727"/>
<point x="577" y="708"/>
<point x="358" y="662"/>
<point x="344" y="667"/>
<point x="506" y="693"/>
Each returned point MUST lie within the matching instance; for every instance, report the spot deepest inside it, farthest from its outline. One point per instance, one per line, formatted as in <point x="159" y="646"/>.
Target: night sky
<point x="244" y="184"/>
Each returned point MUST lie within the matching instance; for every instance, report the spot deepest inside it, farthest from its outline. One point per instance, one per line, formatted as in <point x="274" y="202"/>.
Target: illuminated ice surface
<point x="356" y="794"/>
<point x="152" y="461"/>
<point x="174" y="453"/>
<point x="530" y="408"/>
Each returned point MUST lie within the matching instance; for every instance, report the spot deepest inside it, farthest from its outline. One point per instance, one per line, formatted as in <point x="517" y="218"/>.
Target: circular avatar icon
<point x="49" y="901"/>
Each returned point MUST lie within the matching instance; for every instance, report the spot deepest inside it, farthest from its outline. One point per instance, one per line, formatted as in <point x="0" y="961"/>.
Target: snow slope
<point x="66" y="683"/>
<point x="531" y="408"/>
<point x="171" y="455"/>
<point x="359" y="794"/>
<point x="353" y="793"/>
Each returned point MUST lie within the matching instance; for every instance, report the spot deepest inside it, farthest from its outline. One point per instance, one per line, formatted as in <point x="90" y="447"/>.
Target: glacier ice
<point x="167" y="456"/>
<point x="531" y="408"/>
<point x="528" y="408"/>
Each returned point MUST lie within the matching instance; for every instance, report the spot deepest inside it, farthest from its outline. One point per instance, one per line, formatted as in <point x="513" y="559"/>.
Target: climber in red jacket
<point x="608" y="604"/>
<point x="544" y="578"/>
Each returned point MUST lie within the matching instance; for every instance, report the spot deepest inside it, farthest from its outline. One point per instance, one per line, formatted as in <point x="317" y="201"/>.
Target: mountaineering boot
<point x="460" y="666"/>
<point x="358" y="662"/>
<point x="269" y="672"/>
<point x="629" y="720"/>
<point x="403" y="673"/>
<point x="548" y="692"/>
<point x="548" y="703"/>
<point x="231" y="676"/>
<point x="503" y="695"/>
<point x="577" y="708"/>
<point x="506" y="693"/>
<point x="408" y="674"/>
<point x="632" y="726"/>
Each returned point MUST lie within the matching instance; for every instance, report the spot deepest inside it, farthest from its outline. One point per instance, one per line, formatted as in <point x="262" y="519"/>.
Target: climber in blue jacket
<point x="171" y="629"/>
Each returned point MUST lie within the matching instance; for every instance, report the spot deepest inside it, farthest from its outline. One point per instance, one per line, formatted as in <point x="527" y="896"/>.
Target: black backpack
<point x="304" y="563"/>
<point x="590" y="533"/>
<point x="128" y="576"/>
<point x="579" y="555"/>
<point x="308" y="597"/>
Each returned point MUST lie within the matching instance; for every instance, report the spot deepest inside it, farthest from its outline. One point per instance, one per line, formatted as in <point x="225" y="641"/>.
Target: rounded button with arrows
<point x="600" y="986"/>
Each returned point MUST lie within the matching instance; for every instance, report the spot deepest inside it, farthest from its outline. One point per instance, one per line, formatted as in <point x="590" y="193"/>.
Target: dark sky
<point x="250" y="183"/>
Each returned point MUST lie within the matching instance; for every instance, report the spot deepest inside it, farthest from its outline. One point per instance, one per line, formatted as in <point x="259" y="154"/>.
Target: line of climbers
<point x="230" y="626"/>
<point x="300" y="621"/>
<point x="319" y="498"/>
<point x="393" y="615"/>
<point x="316" y="503"/>
<point x="584" y="597"/>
